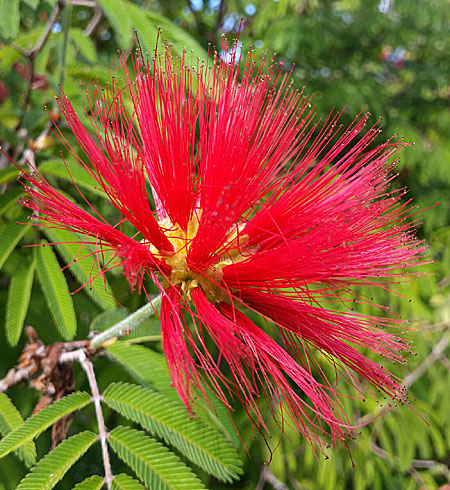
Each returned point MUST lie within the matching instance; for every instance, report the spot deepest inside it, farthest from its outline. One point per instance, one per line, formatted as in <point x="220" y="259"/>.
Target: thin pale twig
<point x="103" y="434"/>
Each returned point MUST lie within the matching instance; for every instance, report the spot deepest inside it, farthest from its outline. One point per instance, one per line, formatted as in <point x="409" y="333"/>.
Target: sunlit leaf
<point x="56" y="291"/>
<point x="18" y="300"/>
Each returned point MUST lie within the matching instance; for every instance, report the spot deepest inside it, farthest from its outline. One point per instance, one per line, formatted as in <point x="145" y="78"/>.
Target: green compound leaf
<point x="84" y="44"/>
<point x="9" y="18"/>
<point x="69" y="245"/>
<point x="153" y="463"/>
<point x="56" y="291"/>
<point x="9" y="199"/>
<point x="125" y="482"/>
<point x="9" y="173"/>
<point x="145" y="365"/>
<point x="10" y="236"/>
<point x="202" y="444"/>
<point x="18" y="300"/>
<point x="117" y="14"/>
<point x="51" y="469"/>
<point x="147" y="22"/>
<point x="39" y="422"/>
<point x="92" y="483"/>
<point x="32" y="3"/>
<point x="68" y="171"/>
<point x="10" y="419"/>
<point x="107" y="319"/>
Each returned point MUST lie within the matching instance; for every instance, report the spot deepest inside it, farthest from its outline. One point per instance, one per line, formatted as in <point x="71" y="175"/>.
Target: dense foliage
<point x="390" y="57"/>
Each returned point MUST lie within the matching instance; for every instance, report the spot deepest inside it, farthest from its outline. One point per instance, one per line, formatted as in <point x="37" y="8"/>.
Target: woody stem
<point x="103" y="434"/>
<point x="126" y="325"/>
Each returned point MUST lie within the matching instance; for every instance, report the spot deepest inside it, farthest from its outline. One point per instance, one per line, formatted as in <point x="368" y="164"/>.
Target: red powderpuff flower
<point x="258" y="209"/>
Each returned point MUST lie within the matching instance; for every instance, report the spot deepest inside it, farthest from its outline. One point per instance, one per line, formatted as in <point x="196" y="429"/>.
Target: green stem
<point x="127" y="325"/>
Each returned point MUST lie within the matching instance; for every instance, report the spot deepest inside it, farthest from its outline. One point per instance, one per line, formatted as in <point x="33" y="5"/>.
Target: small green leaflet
<point x="202" y="444"/>
<point x="125" y="482"/>
<point x="154" y="464"/>
<point x="10" y="419"/>
<point x="84" y="44"/>
<point x="91" y="483"/>
<point x="145" y="365"/>
<point x="147" y="23"/>
<point x="9" y="198"/>
<point x="74" y="171"/>
<point x="107" y="319"/>
<point x="9" y="18"/>
<point x="32" y="3"/>
<point x="56" y="291"/>
<point x="9" y="173"/>
<point x="52" y="467"/>
<point x="36" y="424"/>
<point x="69" y="245"/>
<point x="18" y="300"/>
<point x="117" y="14"/>
<point x="10" y="236"/>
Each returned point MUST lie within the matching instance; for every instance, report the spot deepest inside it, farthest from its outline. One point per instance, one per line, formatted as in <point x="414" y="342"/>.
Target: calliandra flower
<point x="259" y="209"/>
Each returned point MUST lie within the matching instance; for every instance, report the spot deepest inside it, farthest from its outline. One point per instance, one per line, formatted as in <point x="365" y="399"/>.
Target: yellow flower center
<point x="187" y="279"/>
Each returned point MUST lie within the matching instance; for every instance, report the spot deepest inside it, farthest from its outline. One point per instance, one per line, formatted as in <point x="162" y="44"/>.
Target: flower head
<point x="258" y="209"/>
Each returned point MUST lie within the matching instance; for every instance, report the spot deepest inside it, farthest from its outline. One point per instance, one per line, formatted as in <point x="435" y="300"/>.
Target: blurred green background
<point x="390" y="57"/>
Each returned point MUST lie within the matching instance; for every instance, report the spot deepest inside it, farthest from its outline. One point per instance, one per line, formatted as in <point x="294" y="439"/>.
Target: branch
<point x="415" y="463"/>
<point x="35" y="352"/>
<point x="31" y="55"/>
<point x="84" y="3"/>
<point x="103" y="434"/>
<point x="126" y="325"/>
<point x="268" y="477"/>
<point x="93" y="23"/>
<point x="434" y="356"/>
<point x="47" y="30"/>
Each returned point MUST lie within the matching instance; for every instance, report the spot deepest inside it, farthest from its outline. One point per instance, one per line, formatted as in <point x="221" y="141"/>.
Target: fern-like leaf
<point x="149" y="368"/>
<point x="107" y="319"/>
<point x="125" y="482"/>
<point x="9" y="18"/>
<point x="153" y="463"/>
<point x="202" y="444"/>
<point x="18" y="300"/>
<point x="71" y="171"/>
<point x="9" y="199"/>
<point x="82" y="266"/>
<point x="51" y="468"/>
<point x="117" y="14"/>
<point x="56" y="291"/>
<point x="92" y="483"/>
<point x="37" y="423"/>
<point x="9" y="173"/>
<point x="84" y="44"/>
<point x="10" y="235"/>
<point x="10" y="419"/>
<point x="145" y="365"/>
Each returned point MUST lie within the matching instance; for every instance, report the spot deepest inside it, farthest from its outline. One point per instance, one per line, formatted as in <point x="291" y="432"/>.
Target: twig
<point x="419" y="480"/>
<point x="31" y="55"/>
<point x="84" y="3"/>
<point x="47" y="30"/>
<point x="103" y="434"/>
<point x="434" y="356"/>
<point x="126" y="325"/>
<point x="33" y="356"/>
<point x="93" y="23"/>
<point x="415" y="463"/>
<point x="15" y="376"/>
<point x="267" y="476"/>
<point x="437" y="354"/>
